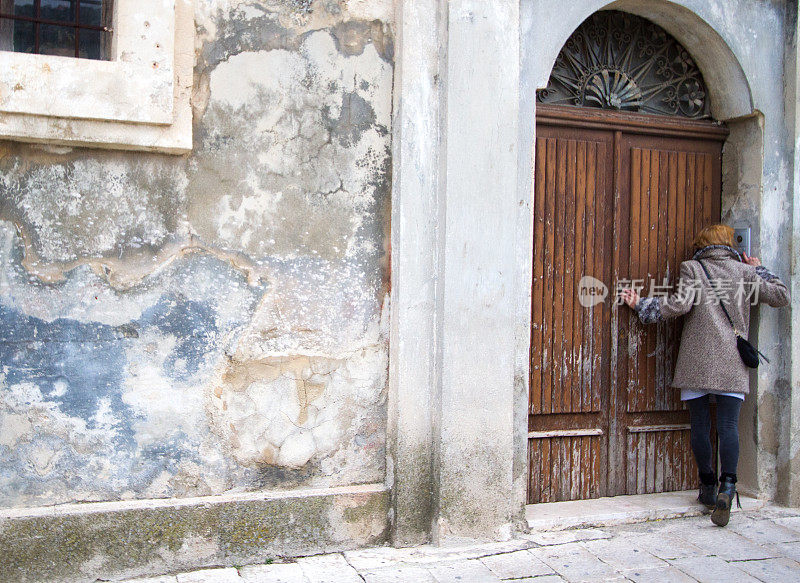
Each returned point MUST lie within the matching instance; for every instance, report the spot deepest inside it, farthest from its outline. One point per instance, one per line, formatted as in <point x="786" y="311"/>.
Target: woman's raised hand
<point x="630" y="297"/>
<point x="754" y="261"/>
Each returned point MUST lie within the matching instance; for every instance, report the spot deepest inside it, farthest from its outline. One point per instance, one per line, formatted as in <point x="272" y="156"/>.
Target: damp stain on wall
<point x="190" y="325"/>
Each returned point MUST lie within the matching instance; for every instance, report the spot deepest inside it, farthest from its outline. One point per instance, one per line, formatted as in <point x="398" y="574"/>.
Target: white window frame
<point x="140" y="99"/>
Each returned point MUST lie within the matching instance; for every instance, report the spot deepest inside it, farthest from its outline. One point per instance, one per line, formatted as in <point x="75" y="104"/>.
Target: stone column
<point x="479" y="284"/>
<point x="791" y="438"/>
<point x="417" y="205"/>
<point x="460" y="300"/>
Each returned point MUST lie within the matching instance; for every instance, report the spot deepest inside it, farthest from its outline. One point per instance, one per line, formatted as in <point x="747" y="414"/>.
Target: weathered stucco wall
<point x="182" y="326"/>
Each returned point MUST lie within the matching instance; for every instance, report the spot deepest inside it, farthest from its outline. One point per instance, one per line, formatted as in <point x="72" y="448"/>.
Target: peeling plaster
<point x="286" y="410"/>
<point x="179" y="326"/>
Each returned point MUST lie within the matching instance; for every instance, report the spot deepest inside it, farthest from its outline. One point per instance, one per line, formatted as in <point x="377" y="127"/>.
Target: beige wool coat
<point x="707" y="356"/>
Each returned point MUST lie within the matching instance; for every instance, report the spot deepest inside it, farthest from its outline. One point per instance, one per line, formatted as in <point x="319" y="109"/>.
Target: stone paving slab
<point x="399" y="574"/>
<point x="516" y="565"/>
<point x="664" y="546"/>
<point x="764" y="532"/>
<point x="713" y="570"/>
<point x="332" y="568"/>
<point x="792" y="522"/>
<point x="451" y="551"/>
<point x="623" y="556"/>
<point x="162" y="579"/>
<point x="275" y="573"/>
<point x="573" y="562"/>
<point x="668" y="574"/>
<point x="469" y="571"/>
<point x="559" y="537"/>
<point x="789" y="550"/>
<point x="725" y="543"/>
<point x="772" y="570"/>
<point x="228" y="575"/>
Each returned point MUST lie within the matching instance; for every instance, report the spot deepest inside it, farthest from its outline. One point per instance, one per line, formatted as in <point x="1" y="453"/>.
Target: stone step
<point x="615" y="510"/>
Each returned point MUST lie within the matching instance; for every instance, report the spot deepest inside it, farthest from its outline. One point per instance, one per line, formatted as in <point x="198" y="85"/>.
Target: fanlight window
<point x="619" y="61"/>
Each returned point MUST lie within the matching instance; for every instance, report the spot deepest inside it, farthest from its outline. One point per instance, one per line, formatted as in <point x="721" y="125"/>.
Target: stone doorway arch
<point x="730" y="99"/>
<point x="628" y="169"/>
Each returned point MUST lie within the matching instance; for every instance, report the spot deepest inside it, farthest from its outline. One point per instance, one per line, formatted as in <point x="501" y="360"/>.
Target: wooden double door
<point x="617" y="197"/>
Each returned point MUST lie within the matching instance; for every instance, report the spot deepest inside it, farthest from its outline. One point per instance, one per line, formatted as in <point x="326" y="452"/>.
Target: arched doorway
<point x="628" y="168"/>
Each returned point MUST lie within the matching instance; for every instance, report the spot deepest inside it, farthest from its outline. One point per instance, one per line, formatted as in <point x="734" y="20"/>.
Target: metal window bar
<point x="37" y="21"/>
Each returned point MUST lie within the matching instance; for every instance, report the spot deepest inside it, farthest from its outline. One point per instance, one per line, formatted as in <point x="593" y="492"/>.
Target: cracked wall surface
<point x="181" y="326"/>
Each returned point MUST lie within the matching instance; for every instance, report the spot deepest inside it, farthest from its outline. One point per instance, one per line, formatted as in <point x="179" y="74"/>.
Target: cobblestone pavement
<point x="761" y="545"/>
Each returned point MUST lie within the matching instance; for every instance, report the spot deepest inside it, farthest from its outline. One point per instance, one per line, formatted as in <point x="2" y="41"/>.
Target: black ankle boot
<point x="727" y="490"/>
<point x="708" y="490"/>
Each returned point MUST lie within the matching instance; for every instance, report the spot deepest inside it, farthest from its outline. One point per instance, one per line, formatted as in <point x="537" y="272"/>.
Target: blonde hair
<point x="718" y="234"/>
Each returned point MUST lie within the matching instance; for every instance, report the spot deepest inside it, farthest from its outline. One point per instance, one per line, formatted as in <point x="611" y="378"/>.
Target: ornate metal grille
<point x="620" y="61"/>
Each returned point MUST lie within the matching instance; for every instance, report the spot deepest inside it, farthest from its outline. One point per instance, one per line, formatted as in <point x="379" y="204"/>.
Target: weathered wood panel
<point x="665" y="185"/>
<point x="611" y="204"/>
<point x="568" y="363"/>
<point x="659" y="460"/>
<point x="568" y="242"/>
<point x="565" y="468"/>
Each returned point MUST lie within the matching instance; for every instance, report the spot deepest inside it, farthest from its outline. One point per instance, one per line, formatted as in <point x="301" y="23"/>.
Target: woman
<point x="709" y="366"/>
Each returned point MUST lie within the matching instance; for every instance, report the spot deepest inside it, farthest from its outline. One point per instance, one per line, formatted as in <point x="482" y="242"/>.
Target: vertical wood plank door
<point x="570" y="344"/>
<point x="671" y="189"/>
<point x="616" y="197"/>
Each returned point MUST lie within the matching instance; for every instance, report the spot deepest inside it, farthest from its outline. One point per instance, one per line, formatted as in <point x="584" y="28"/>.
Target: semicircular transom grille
<point x="619" y="61"/>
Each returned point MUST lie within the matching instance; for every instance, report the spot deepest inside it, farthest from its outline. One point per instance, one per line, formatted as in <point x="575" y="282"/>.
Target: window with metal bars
<point x="69" y="28"/>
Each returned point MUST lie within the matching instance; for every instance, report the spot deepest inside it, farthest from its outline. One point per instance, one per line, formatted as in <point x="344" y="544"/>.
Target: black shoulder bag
<point x="747" y="351"/>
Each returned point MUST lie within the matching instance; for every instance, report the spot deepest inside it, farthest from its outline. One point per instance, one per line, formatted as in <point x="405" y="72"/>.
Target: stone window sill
<point x="139" y="100"/>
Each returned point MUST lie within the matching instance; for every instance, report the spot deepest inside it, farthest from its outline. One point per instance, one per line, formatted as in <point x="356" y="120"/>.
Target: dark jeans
<point x="727" y="430"/>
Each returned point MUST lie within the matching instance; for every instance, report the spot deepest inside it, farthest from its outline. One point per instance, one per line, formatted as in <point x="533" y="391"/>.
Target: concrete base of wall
<point x="117" y="540"/>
